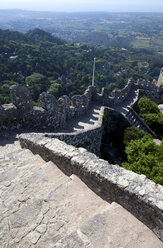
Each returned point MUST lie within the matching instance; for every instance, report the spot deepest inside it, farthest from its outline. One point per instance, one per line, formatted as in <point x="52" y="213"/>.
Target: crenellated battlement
<point x="54" y="114"/>
<point x="118" y="97"/>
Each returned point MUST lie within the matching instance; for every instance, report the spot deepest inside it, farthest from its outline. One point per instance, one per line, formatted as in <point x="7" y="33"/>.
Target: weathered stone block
<point x="48" y="102"/>
<point x="76" y="101"/>
<point x="93" y="91"/>
<point x="8" y="116"/>
<point x="84" y="101"/>
<point x="21" y="98"/>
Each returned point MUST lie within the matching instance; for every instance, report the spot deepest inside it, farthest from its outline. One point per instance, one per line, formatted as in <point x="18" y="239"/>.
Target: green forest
<point x="143" y="154"/>
<point x="42" y="62"/>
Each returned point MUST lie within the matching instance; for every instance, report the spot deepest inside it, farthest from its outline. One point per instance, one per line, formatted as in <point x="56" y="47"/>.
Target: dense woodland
<point x="43" y="62"/>
<point x="143" y="155"/>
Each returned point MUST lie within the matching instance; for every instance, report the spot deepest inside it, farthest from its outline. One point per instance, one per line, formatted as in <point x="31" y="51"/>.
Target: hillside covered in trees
<point x="129" y="30"/>
<point x="143" y="155"/>
<point x="42" y="62"/>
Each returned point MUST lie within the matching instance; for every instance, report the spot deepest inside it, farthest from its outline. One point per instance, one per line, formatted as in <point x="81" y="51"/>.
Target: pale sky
<point x="84" y="5"/>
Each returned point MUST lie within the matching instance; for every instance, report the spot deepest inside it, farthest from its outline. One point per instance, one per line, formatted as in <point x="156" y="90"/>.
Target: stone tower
<point x="160" y="79"/>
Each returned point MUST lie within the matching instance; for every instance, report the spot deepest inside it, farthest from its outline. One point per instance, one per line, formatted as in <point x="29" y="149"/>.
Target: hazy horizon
<point x="85" y="6"/>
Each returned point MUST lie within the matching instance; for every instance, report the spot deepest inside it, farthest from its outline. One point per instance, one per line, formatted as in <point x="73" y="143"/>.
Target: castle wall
<point x="114" y="122"/>
<point x="53" y="114"/>
<point x="154" y="92"/>
<point x="90" y="139"/>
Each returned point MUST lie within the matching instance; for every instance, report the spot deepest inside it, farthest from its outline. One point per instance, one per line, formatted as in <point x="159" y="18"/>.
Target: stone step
<point x="71" y="205"/>
<point x="16" y="158"/>
<point x="46" y="178"/>
<point x="13" y="152"/>
<point x="13" y="185"/>
<point x="75" y="240"/>
<point x="131" y="117"/>
<point x="112" y="228"/>
<point x="46" y="218"/>
<point x="18" y="165"/>
<point x="40" y="205"/>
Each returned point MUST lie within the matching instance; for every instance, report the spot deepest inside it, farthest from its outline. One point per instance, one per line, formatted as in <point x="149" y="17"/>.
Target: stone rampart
<point x="114" y="124"/>
<point x="155" y="97"/>
<point x="89" y="139"/>
<point x="149" y="89"/>
<point x="53" y="114"/>
<point x="142" y="197"/>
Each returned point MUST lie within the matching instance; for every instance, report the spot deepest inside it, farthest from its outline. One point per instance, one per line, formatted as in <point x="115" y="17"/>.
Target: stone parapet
<point x="89" y="139"/>
<point x="151" y="90"/>
<point x="9" y="116"/>
<point x="21" y="98"/>
<point x="142" y="197"/>
<point x="53" y="114"/>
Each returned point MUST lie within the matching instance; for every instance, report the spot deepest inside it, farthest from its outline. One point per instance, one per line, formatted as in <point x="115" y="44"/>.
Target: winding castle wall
<point x="53" y="114"/>
<point x="151" y="90"/>
<point x="89" y="139"/>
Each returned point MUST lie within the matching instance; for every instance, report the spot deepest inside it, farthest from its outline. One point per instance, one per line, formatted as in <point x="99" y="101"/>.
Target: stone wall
<point x="53" y="114"/>
<point x="136" y="193"/>
<point x="89" y="139"/>
<point x="114" y="124"/>
<point x="142" y="197"/>
<point x="149" y="89"/>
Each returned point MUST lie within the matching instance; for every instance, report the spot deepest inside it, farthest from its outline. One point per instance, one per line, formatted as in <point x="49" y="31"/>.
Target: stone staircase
<point x="131" y="115"/>
<point x="136" y="121"/>
<point x="42" y="207"/>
